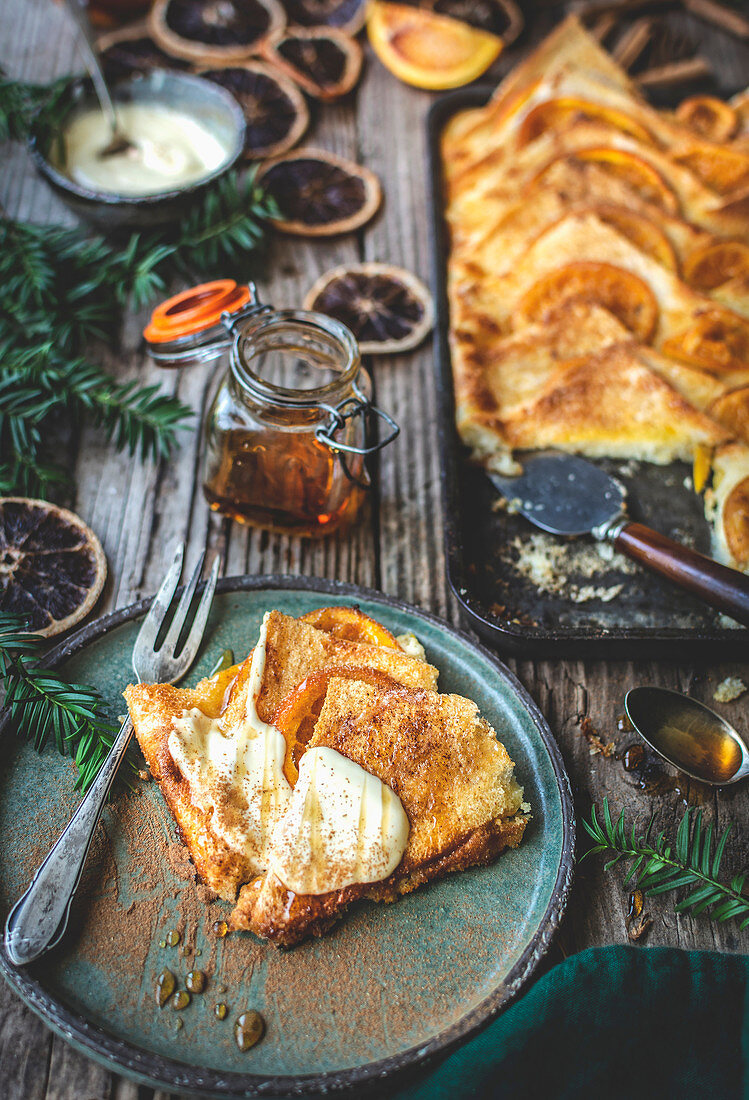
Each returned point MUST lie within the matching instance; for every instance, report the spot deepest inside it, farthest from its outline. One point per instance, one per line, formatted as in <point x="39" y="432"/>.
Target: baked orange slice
<point x="349" y="624"/>
<point x="717" y="341"/>
<point x="636" y="172"/>
<point x="724" y="170"/>
<point x="709" y="117"/>
<point x="736" y="522"/>
<point x="298" y="712"/>
<point x="619" y="291"/>
<point x="561" y="113"/>
<point x="429" y="50"/>
<point x="713" y="264"/>
<point x="640" y="230"/>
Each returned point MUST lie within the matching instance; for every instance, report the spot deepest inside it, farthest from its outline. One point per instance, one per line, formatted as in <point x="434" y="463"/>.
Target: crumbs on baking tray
<point x="552" y="566"/>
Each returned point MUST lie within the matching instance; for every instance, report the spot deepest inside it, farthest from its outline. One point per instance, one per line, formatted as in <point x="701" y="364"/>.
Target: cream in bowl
<point x="169" y="149"/>
<point x="182" y="131"/>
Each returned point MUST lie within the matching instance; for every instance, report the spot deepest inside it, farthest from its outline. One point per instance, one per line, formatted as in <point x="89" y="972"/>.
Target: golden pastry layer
<point x="598" y="275"/>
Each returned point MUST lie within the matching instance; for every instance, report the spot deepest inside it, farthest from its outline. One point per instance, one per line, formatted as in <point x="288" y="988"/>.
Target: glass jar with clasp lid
<point x="291" y="425"/>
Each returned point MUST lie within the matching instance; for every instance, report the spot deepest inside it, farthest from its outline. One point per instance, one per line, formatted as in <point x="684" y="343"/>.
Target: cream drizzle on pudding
<point x="339" y="826"/>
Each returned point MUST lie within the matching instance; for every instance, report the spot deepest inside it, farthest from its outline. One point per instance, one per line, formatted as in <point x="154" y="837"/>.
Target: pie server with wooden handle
<point x="567" y="495"/>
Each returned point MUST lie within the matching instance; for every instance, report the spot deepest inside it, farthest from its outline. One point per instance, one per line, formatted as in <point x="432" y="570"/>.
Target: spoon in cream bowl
<point x="118" y="142"/>
<point x="688" y="735"/>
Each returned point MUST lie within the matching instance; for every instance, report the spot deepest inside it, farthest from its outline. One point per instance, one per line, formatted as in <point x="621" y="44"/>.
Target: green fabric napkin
<point x="612" y="1021"/>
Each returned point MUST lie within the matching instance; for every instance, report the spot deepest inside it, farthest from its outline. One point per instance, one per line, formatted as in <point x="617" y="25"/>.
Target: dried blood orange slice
<point x="346" y="15"/>
<point x="429" y="50"/>
<point x="500" y="17"/>
<point x="561" y="113"/>
<point x="349" y="624"/>
<point x="724" y="170"/>
<point x="709" y="117"/>
<point x="52" y="566"/>
<point x="214" y="32"/>
<point x="713" y="264"/>
<point x="736" y="522"/>
<point x="615" y="289"/>
<point x="320" y="194"/>
<point x="325" y="62"/>
<point x="640" y="230"/>
<point x="298" y="712"/>
<point x="387" y="308"/>
<point x="717" y="341"/>
<point x="131" y="50"/>
<point x="274" y="108"/>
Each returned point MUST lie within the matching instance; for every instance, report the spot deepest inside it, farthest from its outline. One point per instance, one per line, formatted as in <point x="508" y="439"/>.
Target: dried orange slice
<point x="52" y="566"/>
<point x="349" y="624"/>
<point x="736" y="522"/>
<point x="275" y="110"/>
<point x="724" y="170"/>
<point x="130" y="50"/>
<point x="214" y="32"/>
<point x="636" y="172"/>
<point x="500" y="17"/>
<point x="709" y="117"/>
<point x="561" y="113"/>
<point x="717" y="341"/>
<point x="319" y="194"/>
<point x="325" y="62"/>
<point x="429" y="50"/>
<point x="345" y="15"/>
<point x="713" y="264"/>
<point x="387" y="308"/>
<point x="615" y="289"/>
<point x="298" y="712"/>
<point x="640" y="230"/>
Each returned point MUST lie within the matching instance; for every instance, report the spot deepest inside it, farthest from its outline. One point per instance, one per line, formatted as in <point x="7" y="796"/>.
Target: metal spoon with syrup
<point x="688" y="735"/>
<point x="119" y="142"/>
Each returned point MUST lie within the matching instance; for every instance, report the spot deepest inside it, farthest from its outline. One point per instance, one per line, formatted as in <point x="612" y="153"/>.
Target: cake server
<point x="567" y="495"/>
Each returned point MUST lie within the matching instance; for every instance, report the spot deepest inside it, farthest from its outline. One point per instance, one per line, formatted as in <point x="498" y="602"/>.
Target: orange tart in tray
<point x="598" y="275"/>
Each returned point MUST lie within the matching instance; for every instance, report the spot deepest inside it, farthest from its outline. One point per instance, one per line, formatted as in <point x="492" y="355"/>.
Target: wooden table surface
<point x="138" y="510"/>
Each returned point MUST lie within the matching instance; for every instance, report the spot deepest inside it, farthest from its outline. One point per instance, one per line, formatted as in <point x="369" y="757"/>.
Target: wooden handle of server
<point x="723" y="588"/>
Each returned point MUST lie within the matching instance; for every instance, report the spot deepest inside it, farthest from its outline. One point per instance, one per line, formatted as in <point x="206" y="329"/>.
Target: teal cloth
<point x="612" y="1021"/>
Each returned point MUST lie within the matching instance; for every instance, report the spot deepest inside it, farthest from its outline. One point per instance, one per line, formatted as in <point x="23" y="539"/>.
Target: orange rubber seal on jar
<point x="195" y="310"/>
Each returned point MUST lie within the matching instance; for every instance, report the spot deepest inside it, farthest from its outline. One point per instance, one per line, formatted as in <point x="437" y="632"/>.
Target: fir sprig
<point x="43" y="708"/>
<point x="658" y="866"/>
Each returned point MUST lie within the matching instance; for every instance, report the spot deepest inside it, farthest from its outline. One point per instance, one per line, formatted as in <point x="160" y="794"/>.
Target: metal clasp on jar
<point x="360" y="405"/>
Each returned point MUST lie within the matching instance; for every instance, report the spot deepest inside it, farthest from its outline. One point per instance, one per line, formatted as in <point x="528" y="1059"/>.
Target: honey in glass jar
<point x="289" y="430"/>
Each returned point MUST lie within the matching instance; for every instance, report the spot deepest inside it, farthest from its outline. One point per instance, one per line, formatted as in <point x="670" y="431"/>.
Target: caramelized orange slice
<point x="736" y="522"/>
<point x="559" y="114"/>
<point x="641" y="231"/>
<point x="714" y="264"/>
<point x="724" y="170"/>
<point x="350" y="625"/>
<point x="615" y="289"/>
<point x="213" y="695"/>
<point x="429" y="50"/>
<point x="635" y="171"/>
<point x="717" y="341"/>
<point x="709" y="117"/>
<point x="298" y="712"/>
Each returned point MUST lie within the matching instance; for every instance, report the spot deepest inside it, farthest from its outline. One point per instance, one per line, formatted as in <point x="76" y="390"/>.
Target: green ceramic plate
<point x="389" y="989"/>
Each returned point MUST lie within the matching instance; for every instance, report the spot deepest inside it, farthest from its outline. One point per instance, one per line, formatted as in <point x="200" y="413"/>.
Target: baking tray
<point x="495" y="560"/>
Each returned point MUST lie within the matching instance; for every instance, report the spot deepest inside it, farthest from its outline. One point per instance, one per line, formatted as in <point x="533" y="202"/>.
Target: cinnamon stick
<point x="724" y="18"/>
<point x="675" y="72"/>
<point x="633" y="42"/>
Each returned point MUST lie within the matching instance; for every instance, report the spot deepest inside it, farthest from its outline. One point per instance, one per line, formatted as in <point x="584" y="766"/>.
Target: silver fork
<point x="37" y="922"/>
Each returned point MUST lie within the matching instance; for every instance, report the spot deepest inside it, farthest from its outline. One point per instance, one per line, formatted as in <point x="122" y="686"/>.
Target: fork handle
<point x="39" y="918"/>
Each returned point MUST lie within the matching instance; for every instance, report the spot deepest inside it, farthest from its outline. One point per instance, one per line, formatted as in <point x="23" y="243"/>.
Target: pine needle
<point x="45" y="709"/>
<point x="659" y="867"/>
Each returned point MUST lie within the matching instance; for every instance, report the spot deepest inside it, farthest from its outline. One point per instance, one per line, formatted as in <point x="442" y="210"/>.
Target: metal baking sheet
<point x="536" y="595"/>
